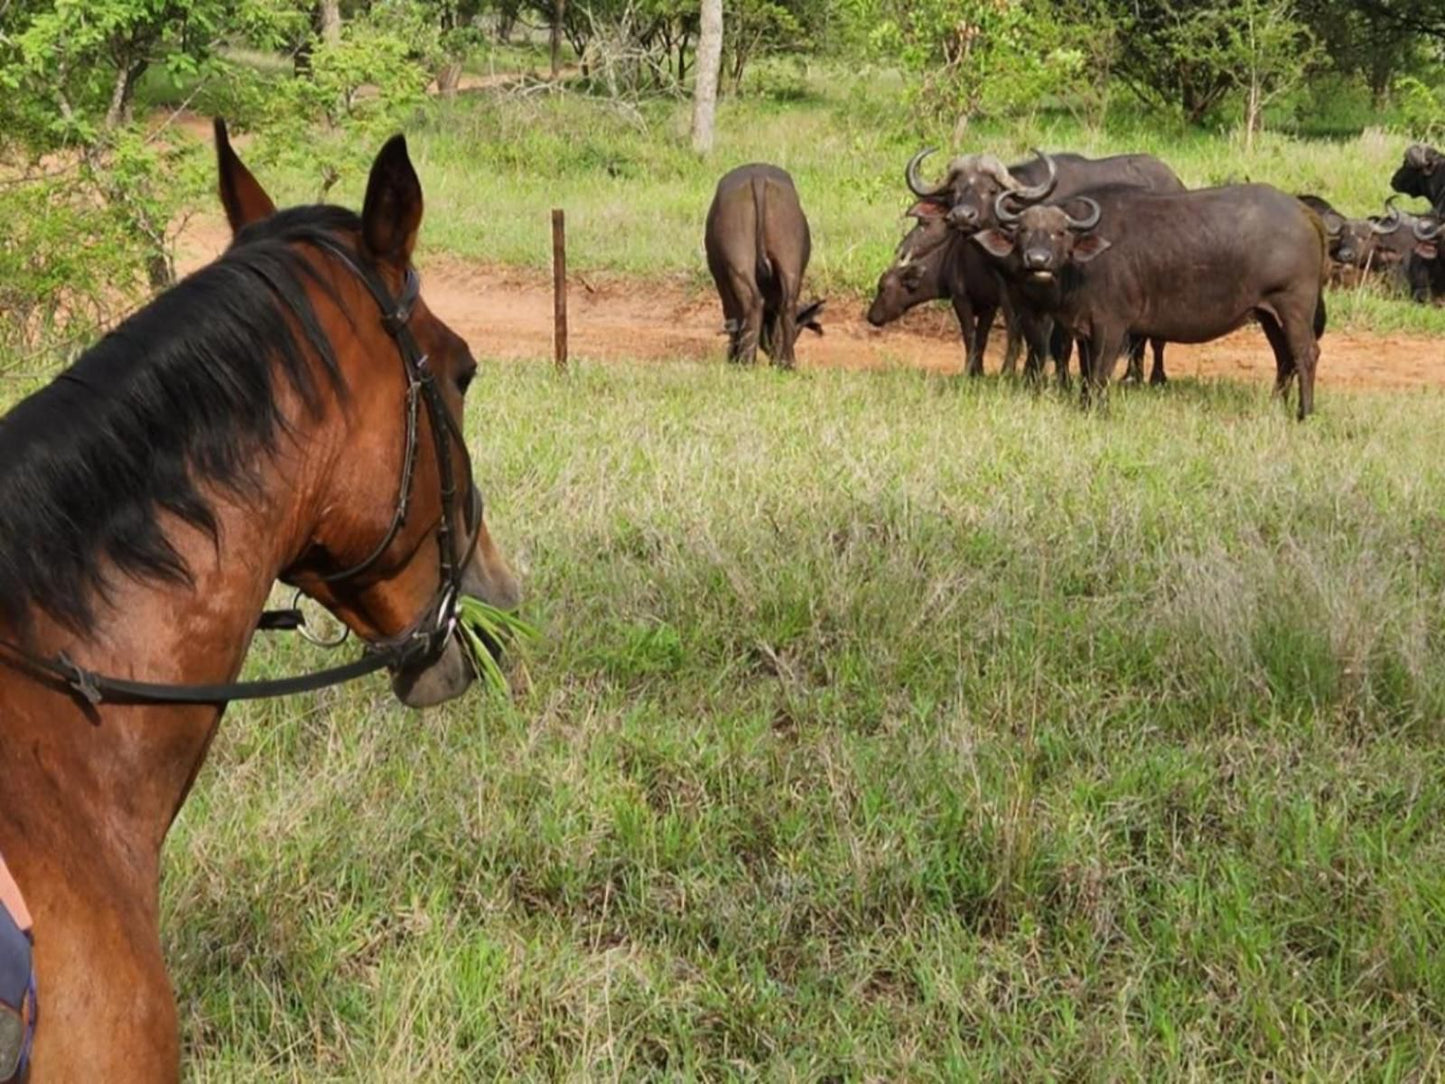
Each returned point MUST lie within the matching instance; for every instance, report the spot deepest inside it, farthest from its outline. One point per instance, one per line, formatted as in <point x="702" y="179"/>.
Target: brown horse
<point x="258" y="421"/>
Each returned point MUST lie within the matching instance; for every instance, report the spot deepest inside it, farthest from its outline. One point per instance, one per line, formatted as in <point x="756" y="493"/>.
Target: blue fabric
<point x="17" y="982"/>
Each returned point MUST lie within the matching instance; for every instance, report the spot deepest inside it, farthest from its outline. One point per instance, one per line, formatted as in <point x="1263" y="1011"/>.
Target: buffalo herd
<point x="1106" y="255"/>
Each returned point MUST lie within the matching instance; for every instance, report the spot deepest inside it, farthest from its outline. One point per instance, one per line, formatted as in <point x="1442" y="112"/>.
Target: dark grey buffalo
<point x="1429" y="256"/>
<point x="1353" y="242"/>
<point x="1409" y="245"/>
<point x="935" y="261"/>
<point x="1422" y="174"/>
<point x="973" y="184"/>
<point x="758" y="246"/>
<point x="1179" y="266"/>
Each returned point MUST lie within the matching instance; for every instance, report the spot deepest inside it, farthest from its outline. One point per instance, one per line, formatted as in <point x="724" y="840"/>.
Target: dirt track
<point x="506" y="312"/>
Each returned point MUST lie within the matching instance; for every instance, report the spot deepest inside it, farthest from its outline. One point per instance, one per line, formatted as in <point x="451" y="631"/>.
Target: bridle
<point x="427" y="637"/>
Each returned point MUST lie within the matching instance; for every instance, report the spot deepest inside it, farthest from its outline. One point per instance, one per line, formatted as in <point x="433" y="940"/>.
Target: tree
<point x="1268" y="54"/>
<point x="709" y="61"/>
<point x="559" y="19"/>
<point x="331" y="21"/>
<point x="973" y="57"/>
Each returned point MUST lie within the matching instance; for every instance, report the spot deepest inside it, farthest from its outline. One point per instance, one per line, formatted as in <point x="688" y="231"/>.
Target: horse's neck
<point x="121" y="773"/>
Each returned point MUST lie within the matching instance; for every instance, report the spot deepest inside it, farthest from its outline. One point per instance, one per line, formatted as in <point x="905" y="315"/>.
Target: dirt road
<point x="506" y="312"/>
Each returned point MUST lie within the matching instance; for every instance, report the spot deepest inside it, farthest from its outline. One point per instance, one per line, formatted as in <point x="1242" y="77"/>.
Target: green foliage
<point x="1422" y="108"/>
<point x="972" y="57"/>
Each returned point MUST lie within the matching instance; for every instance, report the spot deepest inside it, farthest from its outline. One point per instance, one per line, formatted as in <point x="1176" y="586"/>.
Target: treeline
<point x="91" y="193"/>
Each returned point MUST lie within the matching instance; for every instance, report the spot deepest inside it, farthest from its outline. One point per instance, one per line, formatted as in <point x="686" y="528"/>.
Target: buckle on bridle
<point x="304" y="628"/>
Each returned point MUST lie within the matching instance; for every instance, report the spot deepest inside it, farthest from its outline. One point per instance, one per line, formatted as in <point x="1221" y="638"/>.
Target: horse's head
<point x="398" y="527"/>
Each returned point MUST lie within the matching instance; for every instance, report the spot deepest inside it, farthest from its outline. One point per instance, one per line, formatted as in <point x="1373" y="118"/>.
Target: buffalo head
<point x="1421" y="174"/>
<point x="1428" y="234"/>
<point x="915" y="272"/>
<point x="1038" y="241"/>
<point x="971" y="185"/>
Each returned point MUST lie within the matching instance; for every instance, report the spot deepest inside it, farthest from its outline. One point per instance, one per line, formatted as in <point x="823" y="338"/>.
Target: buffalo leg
<point x="1135" y="372"/>
<point x="1063" y="350"/>
<point x="982" y="327"/>
<point x="785" y="333"/>
<point x="1284" y="367"/>
<point x="1297" y="322"/>
<point x="1104" y="347"/>
<point x="749" y="319"/>
<point x="1036" y="334"/>
<point x="1156" y="374"/>
<point x="963" y="309"/>
<point x="1014" y="347"/>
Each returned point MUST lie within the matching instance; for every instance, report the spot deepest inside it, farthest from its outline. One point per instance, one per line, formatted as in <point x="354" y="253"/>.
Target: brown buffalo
<point x="758" y="246"/>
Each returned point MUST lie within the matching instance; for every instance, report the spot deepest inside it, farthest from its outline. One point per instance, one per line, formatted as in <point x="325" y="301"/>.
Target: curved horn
<point x="1391" y="221"/>
<point x="1001" y="211"/>
<point x="1417" y="155"/>
<point x="911" y="175"/>
<point x="1425" y="232"/>
<point x="1082" y="225"/>
<point x="1039" y="192"/>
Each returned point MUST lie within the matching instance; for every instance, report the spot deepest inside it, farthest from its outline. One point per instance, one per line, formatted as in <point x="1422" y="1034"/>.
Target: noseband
<point x="427" y="637"/>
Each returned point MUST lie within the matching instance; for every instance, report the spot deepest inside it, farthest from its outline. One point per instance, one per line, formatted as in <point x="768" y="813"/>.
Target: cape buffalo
<point x="935" y="261"/>
<point x="1427" y="263"/>
<point x="758" y="245"/>
<point x="974" y="181"/>
<point x="973" y="184"/>
<point x="1410" y="244"/>
<point x="1422" y="174"/>
<point x="1352" y="241"/>
<point x="1181" y="266"/>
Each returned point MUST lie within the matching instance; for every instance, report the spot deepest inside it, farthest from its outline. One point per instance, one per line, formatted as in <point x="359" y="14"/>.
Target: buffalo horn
<point x="1082" y="225"/>
<point x="1391" y="222"/>
<point x="1426" y="232"/>
<point x="1039" y="192"/>
<point x="911" y="175"/>
<point x="1001" y="210"/>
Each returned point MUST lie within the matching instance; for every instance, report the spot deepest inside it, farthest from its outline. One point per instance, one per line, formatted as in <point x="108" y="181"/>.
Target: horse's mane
<point x="180" y="396"/>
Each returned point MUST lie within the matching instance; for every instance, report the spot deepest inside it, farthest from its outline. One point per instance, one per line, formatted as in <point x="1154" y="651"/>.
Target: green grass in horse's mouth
<point x="480" y="624"/>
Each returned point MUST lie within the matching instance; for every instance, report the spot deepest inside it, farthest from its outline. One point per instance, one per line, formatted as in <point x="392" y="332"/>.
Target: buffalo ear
<point x="242" y="196"/>
<point x="995" y="242"/>
<point x="808" y="317"/>
<point x="1089" y="246"/>
<point x="926" y="208"/>
<point x="391" y="215"/>
<point x="1427" y="250"/>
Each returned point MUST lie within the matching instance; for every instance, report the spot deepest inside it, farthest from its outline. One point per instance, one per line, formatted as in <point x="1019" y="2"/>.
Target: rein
<point x="425" y="639"/>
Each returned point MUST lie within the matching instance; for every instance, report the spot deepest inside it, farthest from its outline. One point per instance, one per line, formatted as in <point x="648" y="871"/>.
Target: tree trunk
<point x="1253" y="107"/>
<point x="331" y="22"/>
<point x="559" y="13"/>
<point x="122" y="92"/>
<point x="709" y="60"/>
<point x="449" y="78"/>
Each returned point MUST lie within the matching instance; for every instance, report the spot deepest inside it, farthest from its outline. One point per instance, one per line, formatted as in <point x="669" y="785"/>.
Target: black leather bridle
<point x="427" y="637"/>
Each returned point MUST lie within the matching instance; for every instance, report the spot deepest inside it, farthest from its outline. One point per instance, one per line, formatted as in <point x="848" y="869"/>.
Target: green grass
<point x="492" y="167"/>
<point x="880" y="727"/>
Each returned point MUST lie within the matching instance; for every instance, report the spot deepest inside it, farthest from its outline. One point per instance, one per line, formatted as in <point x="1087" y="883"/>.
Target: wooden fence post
<point x="559" y="287"/>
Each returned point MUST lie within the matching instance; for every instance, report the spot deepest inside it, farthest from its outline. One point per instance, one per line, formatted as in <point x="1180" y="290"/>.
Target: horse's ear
<point x="391" y="216"/>
<point x="242" y="196"/>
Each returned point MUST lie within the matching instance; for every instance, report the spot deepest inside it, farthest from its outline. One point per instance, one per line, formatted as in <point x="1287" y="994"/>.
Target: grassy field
<point x="493" y="164"/>
<point x="882" y="727"/>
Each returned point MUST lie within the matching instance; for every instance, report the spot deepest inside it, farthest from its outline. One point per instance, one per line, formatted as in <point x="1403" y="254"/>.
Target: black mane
<point x="180" y="395"/>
